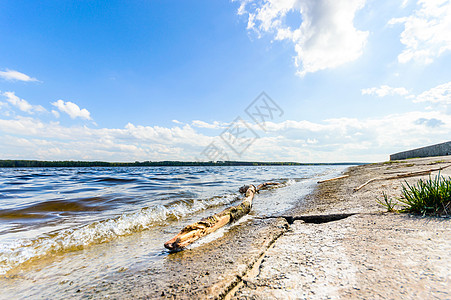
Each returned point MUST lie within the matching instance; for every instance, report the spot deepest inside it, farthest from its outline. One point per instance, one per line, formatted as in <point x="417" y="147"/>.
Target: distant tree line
<point x="169" y="163"/>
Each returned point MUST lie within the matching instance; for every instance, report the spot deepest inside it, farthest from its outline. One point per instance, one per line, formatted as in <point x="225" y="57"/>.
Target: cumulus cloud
<point x="163" y="135"/>
<point x="326" y="38"/>
<point x="22" y="104"/>
<point x="15" y="76"/>
<point x="51" y="140"/>
<point x="72" y="109"/>
<point x="439" y="94"/>
<point x="330" y="140"/>
<point x="426" y="32"/>
<point x="55" y="113"/>
<point x="214" y="125"/>
<point x="385" y="90"/>
<point x="338" y="139"/>
<point x="429" y="122"/>
<point x="361" y="139"/>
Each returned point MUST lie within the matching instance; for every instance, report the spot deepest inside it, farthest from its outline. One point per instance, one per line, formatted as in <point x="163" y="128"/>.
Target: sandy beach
<point x="369" y="255"/>
<point x="365" y="253"/>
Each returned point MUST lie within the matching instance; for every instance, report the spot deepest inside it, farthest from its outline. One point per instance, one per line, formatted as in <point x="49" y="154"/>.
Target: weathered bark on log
<point x="264" y="185"/>
<point x="193" y="232"/>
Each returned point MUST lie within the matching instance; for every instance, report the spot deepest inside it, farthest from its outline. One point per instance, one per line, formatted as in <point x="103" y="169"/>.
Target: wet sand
<point x="366" y="254"/>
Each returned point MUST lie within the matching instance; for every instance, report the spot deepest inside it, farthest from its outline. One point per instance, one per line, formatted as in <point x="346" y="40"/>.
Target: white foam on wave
<point x="17" y="252"/>
<point x="290" y="182"/>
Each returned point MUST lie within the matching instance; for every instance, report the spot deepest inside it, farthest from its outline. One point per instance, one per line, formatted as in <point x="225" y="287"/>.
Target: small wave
<point x="25" y="177"/>
<point x="55" y="206"/>
<point x="15" y="182"/>
<point x="15" y="253"/>
<point x="5" y="196"/>
<point x="78" y="191"/>
<point x="285" y="181"/>
<point x="115" y="180"/>
<point x="290" y="181"/>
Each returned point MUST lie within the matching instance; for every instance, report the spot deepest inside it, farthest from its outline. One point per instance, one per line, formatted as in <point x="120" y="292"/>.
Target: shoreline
<point x="364" y="254"/>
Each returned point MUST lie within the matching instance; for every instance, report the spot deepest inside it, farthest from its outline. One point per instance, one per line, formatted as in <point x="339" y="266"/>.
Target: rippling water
<point x="48" y="214"/>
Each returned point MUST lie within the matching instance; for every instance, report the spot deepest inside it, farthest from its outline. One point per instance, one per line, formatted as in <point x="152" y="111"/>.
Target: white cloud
<point x="22" y="104"/>
<point x="426" y="32"/>
<point x="134" y="142"/>
<point x="214" y="125"/>
<point x="330" y="140"/>
<point x="163" y="135"/>
<point x="15" y="76"/>
<point x="429" y="122"/>
<point x="404" y="3"/>
<point x="350" y="139"/>
<point x="385" y="90"/>
<point x="290" y="124"/>
<point x="72" y="110"/>
<point x="439" y="94"/>
<point x="326" y="37"/>
<point x="339" y="139"/>
<point x="55" y="113"/>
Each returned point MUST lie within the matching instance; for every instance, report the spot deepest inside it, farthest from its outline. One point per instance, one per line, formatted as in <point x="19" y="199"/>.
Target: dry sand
<point x="369" y="255"/>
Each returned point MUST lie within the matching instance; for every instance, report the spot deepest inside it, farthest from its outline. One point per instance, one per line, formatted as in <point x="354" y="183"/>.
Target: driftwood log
<point x="193" y="232"/>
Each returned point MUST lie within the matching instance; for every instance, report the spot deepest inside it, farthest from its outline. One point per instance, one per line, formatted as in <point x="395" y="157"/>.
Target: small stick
<point x="411" y="174"/>
<point x="336" y="178"/>
<point x="368" y="182"/>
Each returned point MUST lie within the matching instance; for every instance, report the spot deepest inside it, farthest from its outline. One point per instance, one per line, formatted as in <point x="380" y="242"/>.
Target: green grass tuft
<point x="387" y="203"/>
<point x="427" y="197"/>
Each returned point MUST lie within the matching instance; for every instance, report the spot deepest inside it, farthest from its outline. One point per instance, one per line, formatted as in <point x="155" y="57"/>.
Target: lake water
<point x="66" y="225"/>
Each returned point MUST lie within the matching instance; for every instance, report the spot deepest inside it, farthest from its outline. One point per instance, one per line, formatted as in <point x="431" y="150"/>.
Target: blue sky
<point x="354" y="80"/>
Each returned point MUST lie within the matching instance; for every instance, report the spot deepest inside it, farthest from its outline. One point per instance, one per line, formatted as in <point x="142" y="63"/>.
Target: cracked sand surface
<point x="361" y="257"/>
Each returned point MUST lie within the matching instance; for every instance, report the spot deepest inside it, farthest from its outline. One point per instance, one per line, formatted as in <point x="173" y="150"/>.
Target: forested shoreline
<point x="70" y="164"/>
